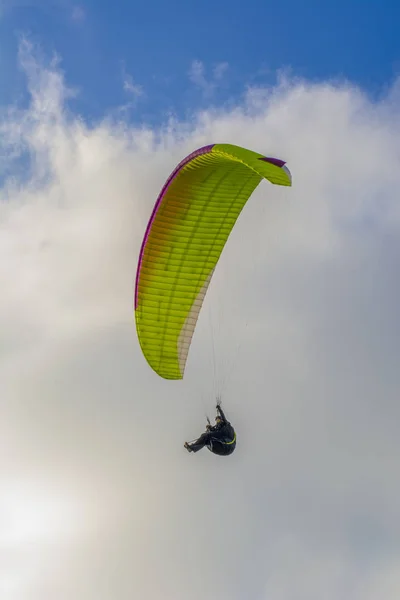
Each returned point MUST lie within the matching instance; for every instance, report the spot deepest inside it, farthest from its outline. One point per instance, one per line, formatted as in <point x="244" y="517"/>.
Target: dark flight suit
<point x="219" y="438"/>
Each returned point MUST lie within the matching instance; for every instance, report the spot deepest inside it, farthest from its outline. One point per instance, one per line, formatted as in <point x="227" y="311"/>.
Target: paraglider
<point x="219" y="438"/>
<point x="191" y="221"/>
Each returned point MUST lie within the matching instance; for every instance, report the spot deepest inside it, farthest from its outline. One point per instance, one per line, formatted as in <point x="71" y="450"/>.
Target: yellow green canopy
<point x="190" y="224"/>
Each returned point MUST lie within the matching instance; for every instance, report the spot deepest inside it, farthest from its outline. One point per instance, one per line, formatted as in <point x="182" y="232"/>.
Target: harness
<point x="222" y="442"/>
<point x="232" y="442"/>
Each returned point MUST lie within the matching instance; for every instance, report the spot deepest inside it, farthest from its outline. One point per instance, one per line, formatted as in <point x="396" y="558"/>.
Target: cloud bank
<point x="98" y="498"/>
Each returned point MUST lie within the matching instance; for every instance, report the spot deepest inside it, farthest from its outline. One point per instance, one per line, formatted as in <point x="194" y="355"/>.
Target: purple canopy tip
<point x="274" y="161"/>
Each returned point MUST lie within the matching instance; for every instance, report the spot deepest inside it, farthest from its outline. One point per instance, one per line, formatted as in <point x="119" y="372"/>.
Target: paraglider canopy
<point x="191" y="221"/>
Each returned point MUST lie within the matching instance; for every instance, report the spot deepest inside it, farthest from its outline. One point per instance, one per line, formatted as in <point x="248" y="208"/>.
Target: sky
<point x="299" y="330"/>
<point x="159" y="58"/>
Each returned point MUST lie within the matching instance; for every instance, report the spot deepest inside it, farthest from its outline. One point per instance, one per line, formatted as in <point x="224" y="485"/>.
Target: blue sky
<point x="152" y="46"/>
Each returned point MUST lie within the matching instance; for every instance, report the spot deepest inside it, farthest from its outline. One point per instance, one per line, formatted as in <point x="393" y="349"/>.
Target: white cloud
<point x="220" y="69"/>
<point x="307" y="507"/>
<point x="135" y="89"/>
<point x="197" y="75"/>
